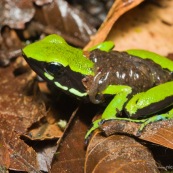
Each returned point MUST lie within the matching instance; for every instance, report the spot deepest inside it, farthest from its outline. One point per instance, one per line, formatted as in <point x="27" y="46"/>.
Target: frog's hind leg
<point x="166" y="116"/>
<point x="150" y="103"/>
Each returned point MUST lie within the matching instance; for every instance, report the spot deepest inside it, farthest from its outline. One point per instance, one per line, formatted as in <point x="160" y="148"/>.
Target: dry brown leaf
<point x="15" y="13"/>
<point x="45" y="131"/>
<point x="148" y="26"/>
<point x="118" y="8"/>
<point x="45" y="154"/>
<point x="10" y="46"/>
<point x="19" y="109"/>
<point x="63" y="19"/>
<point x="16" y="99"/>
<point x="159" y="132"/>
<point x="16" y="154"/>
<point x="118" y="153"/>
<point x="70" y="155"/>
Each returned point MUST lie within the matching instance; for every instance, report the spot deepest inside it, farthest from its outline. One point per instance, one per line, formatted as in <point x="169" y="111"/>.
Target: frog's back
<point x="124" y="69"/>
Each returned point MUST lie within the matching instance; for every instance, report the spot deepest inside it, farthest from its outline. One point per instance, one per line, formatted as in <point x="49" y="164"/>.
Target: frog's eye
<point x="54" y="69"/>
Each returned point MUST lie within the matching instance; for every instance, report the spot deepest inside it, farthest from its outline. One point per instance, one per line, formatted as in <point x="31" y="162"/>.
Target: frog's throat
<point x="98" y="85"/>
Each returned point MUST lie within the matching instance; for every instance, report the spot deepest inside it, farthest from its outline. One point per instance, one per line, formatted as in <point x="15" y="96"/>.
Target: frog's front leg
<point x="116" y="105"/>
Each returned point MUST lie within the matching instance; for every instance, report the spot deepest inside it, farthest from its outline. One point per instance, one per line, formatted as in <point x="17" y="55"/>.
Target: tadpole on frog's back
<point x="121" y="68"/>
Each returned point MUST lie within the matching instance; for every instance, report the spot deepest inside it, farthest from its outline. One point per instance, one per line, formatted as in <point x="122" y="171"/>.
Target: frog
<point x="137" y="82"/>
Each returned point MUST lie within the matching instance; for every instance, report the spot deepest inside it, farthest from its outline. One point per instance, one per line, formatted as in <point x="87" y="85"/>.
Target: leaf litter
<point x="24" y="116"/>
<point x="118" y="153"/>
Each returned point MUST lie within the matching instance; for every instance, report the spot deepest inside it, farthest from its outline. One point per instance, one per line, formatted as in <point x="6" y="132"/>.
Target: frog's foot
<point x="155" y="118"/>
<point x="95" y="125"/>
<point x="143" y="122"/>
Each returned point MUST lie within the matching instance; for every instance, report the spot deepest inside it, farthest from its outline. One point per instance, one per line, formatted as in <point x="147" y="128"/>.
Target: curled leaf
<point x="118" y="153"/>
<point x="118" y="8"/>
<point x="157" y="132"/>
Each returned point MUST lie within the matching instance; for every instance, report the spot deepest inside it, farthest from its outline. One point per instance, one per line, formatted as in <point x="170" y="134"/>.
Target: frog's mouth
<point x="37" y="66"/>
<point x="66" y="79"/>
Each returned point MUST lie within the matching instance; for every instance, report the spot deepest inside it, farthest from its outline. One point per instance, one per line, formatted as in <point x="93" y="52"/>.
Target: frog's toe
<point x="94" y="126"/>
<point x="151" y="120"/>
<point x="144" y="124"/>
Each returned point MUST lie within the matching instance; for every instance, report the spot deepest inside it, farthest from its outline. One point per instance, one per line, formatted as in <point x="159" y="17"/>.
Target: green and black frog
<point x="139" y="82"/>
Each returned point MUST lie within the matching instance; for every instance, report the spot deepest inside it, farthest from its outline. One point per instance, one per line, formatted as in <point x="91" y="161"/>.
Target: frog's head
<point x="54" y="60"/>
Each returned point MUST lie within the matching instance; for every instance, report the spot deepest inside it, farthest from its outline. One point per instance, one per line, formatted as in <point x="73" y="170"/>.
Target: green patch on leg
<point x="156" y="118"/>
<point x="95" y="125"/>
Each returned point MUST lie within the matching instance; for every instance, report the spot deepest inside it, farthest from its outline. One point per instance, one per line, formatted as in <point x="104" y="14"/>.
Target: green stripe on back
<point x="161" y="60"/>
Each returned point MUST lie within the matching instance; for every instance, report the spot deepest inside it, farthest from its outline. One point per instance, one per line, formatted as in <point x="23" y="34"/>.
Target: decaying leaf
<point x="15" y="154"/>
<point x="10" y="46"/>
<point x="45" y="130"/>
<point x="23" y="112"/>
<point x="15" y="98"/>
<point x="45" y="154"/>
<point x="15" y="13"/>
<point x="118" y="153"/>
<point x="18" y="111"/>
<point x="69" y="22"/>
<point x="95" y="11"/>
<point x="148" y="26"/>
<point x="70" y="155"/>
<point x="118" y="9"/>
<point x="159" y="132"/>
<point x="22" y="107"/>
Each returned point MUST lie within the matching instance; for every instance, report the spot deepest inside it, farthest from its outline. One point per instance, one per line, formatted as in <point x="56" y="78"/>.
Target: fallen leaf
<point x="45" y="131"/>
<point x="63" y="19"/>
<point x="16" y="154"/>
<point x="15" y="13"/>
<point x="118" y="9"/>
<point x="148" y="26"/>
<point x="170" y="56"/>
<point x="45" y="154"/>
<point x="158" y="132"/>
<point x="15" y="98"/>
<point x="95" y="11"/>
<point x="10" y="46"/>
<point x="118" y="153"/>
<point x="19" y="109"/>
<point x="70" y="155"/>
